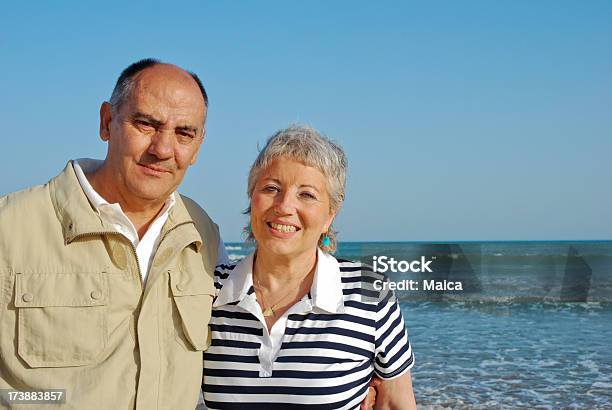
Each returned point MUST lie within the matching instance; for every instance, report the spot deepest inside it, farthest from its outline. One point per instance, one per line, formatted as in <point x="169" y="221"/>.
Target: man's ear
<point x="105" y="120"/>
<point x="201" y="140"/>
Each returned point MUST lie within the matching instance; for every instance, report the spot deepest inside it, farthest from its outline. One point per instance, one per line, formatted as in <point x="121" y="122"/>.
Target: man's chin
<point x="152" y="195"/>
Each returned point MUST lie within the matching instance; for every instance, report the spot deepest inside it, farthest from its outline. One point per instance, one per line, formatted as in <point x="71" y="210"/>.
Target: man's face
<point x="154" y="136"/>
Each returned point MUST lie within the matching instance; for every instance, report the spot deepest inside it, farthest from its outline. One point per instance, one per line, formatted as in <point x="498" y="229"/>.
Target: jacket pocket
<point x="61" y="318"/>
<point x="192" y="295"/>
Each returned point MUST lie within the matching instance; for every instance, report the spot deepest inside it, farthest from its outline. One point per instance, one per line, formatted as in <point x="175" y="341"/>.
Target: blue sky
<point x="472" y="120"/>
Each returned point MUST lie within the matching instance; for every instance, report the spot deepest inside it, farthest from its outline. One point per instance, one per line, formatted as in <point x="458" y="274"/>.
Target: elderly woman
<point x="293" y="326"/>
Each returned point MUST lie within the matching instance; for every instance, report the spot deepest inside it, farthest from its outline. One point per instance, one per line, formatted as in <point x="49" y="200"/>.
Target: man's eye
<point x="144" y="124"/>
<point x="185" y="138"/>
<point x="186" y="135"/>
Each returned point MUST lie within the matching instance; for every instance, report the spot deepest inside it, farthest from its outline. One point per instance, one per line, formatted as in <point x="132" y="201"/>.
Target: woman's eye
<point x="271" y="188"/>
<point x="308" y="195"/>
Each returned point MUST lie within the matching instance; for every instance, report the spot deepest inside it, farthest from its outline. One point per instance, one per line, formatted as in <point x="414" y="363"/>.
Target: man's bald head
<point x="128" y="78"/>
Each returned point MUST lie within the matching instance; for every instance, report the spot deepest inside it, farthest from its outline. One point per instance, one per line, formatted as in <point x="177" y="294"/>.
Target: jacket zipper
<point x="132" y="245"/>
<point x="116" y="234"/>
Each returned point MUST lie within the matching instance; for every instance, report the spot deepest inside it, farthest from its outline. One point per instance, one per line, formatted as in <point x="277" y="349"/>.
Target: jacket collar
<point x="180" y="214"/>
<point x="72" y="207"/>
<point x="326" y="290"/>
<point x="78" y="217"/>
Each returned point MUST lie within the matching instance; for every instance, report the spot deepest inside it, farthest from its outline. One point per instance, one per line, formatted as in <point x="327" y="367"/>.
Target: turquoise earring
<point x="326" y="242"/>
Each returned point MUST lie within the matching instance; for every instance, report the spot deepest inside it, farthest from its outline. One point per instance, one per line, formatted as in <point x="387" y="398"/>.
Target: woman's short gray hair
<point x="308" y="146"/>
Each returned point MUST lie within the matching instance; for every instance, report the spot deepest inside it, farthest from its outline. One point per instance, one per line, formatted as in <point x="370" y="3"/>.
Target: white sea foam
<point x="591" y="365"/>
<point x="602" y="385"/>
<point x="489" y="363"/>
<point x="547" y="363"/>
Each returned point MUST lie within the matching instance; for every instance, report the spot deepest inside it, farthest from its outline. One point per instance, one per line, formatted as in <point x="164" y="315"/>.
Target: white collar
<point x="326" y="290"/>
<point x="84" y="165"/>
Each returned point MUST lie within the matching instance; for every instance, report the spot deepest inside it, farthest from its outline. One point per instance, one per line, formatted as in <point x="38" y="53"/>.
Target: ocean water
<point x="531" y="327"/>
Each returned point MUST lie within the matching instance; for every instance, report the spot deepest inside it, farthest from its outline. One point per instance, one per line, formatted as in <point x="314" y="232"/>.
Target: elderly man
<point x="106" y="272"/>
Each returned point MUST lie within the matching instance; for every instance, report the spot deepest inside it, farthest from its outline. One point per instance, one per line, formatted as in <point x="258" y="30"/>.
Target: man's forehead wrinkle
<point x="168" y="93"/>
<point x="164" y="103"/>
<point x="161" y="116"/>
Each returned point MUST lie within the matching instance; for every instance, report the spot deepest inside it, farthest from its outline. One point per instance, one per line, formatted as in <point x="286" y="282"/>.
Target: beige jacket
<point x="75" y="315"/>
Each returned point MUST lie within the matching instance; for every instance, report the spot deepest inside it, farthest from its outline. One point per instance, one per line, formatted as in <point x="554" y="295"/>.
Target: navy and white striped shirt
<point x="322" y="353"/>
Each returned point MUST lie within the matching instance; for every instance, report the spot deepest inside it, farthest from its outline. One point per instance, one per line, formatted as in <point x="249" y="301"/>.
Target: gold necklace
<point x="269" y="311"/>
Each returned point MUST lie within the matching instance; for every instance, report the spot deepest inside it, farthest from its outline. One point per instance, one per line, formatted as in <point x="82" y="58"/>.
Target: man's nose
<point x="162" y="144"/>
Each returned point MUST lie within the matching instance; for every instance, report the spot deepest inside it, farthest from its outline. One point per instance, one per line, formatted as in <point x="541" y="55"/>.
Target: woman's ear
<point x="329" y="222"/>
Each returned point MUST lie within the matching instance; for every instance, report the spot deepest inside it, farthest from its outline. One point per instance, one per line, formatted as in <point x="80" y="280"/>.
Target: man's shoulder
<point x="25" y="199"/>
<point x="34" y="196"/>
<point x="205" y="226"/>
<point x="194" y="209"/>
<point x="24" y="213"/>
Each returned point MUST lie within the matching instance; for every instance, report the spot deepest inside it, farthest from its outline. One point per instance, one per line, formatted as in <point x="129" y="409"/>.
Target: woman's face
<point x="290" y="208"/>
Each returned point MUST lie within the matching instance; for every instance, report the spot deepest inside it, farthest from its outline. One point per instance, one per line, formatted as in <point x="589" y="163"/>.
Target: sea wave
<point x="234" y="257"/>
<point x="405" y="296"/>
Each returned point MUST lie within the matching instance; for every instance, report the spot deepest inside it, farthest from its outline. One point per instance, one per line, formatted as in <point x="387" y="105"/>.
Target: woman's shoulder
<point x="358" y="270"/>
<point x="361" y="280"/>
